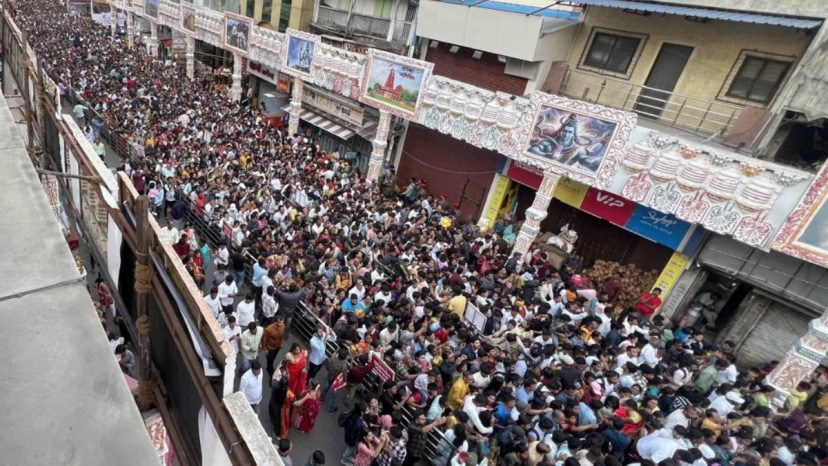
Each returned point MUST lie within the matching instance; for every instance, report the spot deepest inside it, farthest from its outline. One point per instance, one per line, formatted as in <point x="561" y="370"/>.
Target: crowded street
<point x="321" y="279"/>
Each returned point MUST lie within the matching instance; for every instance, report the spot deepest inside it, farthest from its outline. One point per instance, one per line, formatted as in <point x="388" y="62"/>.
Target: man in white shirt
<point x="251" y="342"/>
<point x="359" y="290"/>
<point x="233" y="333"/>
<point x="251" y="385"/>
<point x="169" y="234"/>
<point x="649" y="353"/>
<point x="246" y="310"/>
<point x="630" y="356"/>
<point x="728" y="375"/>
<point x="725" y="404"/>
<point x="213" y="302"/>
<point x="656" y="448"/>
<point x="473" y="405"/>
<point x="269" y="305"/>
<point x="680" y="417"/>
<point x="226" y="292"/>
<point x="222" y="256"/>
<point x="605" y="326"/>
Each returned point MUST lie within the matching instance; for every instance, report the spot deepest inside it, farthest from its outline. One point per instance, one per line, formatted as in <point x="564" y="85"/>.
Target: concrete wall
<point x="502" y="33"/>
<point x="717" y="46"/>
<point x="399" y="8"/>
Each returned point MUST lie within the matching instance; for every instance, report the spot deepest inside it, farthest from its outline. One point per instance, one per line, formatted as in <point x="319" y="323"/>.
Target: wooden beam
<point x="143" y="286"/>
<point x="93" y="179"/>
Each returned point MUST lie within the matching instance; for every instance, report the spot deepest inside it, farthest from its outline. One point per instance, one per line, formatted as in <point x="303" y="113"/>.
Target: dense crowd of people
<point x="550" y="376"/>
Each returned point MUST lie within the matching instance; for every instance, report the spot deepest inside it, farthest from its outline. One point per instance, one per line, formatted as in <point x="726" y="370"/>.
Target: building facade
<point x="279" y="14"/>
<point x="360" y="24"/>
<point x="724" y="104"/>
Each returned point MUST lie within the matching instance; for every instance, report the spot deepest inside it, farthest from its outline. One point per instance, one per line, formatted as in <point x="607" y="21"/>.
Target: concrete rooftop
<point x="64" y="397"/>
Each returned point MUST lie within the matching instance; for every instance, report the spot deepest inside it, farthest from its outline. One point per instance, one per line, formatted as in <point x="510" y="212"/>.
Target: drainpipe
<point x="393" y="21"/>
<point x="350" y="15"/>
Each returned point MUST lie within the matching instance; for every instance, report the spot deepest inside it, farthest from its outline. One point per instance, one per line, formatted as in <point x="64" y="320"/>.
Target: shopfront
<point x="609" y="227"/>
<point x="339" y="124"/>
<point x="271" y="92"/>
<point x="762" y="301"/>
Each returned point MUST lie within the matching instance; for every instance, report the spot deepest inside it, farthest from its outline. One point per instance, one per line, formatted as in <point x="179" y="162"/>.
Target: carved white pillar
<point x="801" y="361"/>
<point x="189" y="55"/>
<point x="113" y="20"/>
<point x="236" y="90"/>
<point x="295" y="106"/>
<point x="379" y="144"/>
<point x="152" y="42"/>
<point x="535" y="214"/>
<point x="129" y="28"/>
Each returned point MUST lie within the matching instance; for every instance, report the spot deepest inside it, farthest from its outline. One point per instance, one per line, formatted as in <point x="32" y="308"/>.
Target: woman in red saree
<point x="297" y="362"/>
<point x="306" y="408"/>
<point x="105" y="297"/>
<point x="633" y="422"/>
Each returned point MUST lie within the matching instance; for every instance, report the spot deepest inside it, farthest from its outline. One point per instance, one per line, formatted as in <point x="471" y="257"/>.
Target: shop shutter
<point x="777" y="331"/>
<point x="449" y="166"/>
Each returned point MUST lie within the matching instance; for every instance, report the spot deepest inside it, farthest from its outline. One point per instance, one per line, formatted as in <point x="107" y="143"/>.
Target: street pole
<point x="143" y="287"/>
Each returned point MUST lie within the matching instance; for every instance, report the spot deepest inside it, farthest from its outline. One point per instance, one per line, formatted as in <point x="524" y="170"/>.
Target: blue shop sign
<point x="662" y="228"/>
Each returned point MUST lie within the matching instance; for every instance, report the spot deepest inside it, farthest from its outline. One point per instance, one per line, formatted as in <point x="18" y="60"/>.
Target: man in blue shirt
<point x="503" y="412"/>
<point x="259" y="271"/>
<point x="317" y="345"/>
<point x="586" y="413"/>
<point x="353" y="304"/>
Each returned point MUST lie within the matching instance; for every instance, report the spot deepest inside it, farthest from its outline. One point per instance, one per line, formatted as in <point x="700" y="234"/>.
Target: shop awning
<point x="705" y="13"/>
<point x="324" y="123"/>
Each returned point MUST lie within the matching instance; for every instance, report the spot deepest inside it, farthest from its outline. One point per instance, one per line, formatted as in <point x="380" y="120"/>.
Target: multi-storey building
<point x="728" y="103"/>
<point x="279" y="15"/>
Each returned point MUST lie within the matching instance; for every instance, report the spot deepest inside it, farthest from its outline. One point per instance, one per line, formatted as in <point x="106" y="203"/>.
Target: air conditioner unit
<point x="501" y="59"/>
<point x="454" y="49"/>
<point x="434" y="44"/>
<point x="477" y="54"/>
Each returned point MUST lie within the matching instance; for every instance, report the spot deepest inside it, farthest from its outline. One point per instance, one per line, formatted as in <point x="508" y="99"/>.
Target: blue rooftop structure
<point x="645" y="7"/>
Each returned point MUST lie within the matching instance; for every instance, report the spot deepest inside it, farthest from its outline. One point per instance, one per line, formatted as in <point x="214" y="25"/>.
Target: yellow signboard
<point x="671" y="273"/>
<point x="499" y="189"/>
<point x="570" y="192"/>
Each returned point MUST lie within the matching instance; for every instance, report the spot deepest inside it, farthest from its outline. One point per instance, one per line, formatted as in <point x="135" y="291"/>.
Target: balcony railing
<point x="332" y="18"/>
<point x="361" y="25"/>
<point x="370" y="26"/>
<point x="701" y="116"/>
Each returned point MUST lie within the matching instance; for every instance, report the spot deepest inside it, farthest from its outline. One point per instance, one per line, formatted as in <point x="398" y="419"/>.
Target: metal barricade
<point x="305" y="322"/>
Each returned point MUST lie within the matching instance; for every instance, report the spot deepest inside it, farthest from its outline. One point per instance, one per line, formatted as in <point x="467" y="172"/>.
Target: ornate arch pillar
<point x="189" y="55"/>
<point x="152" y="41"/>
<point x="130" y="28"/>
<point x="235" y="89"/>
<point x="530" y="229"/>
<point x="295" y="106"/>
<point x="807" y="354"/>
<point x="379" y="144"/>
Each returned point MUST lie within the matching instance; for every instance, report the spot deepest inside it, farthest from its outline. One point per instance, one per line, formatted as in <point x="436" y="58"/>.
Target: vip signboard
<point x="608" y="206"/>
